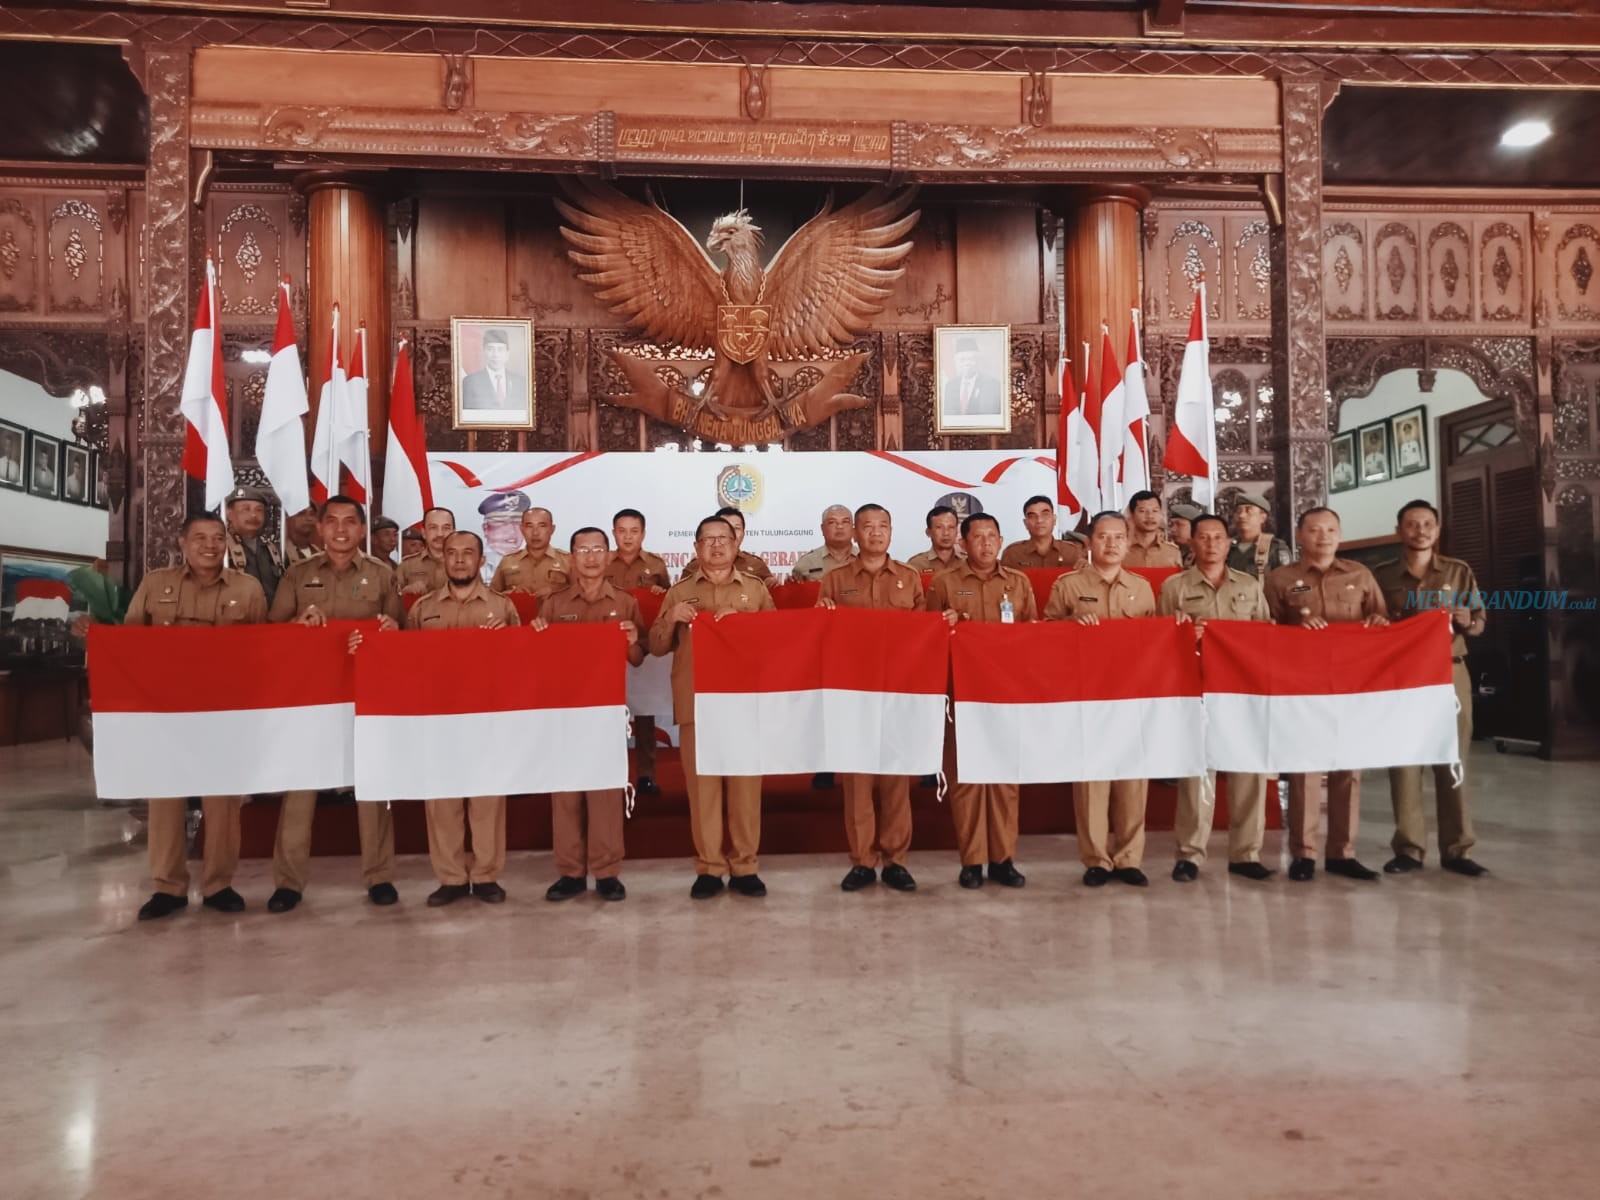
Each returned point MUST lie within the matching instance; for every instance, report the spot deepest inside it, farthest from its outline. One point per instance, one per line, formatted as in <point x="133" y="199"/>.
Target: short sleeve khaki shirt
<point x="521" y="572"/>
<point x="1346" y="591"/>
<point x="423" y="569"/>
<point x="646" y="571"/>
<point x="441" y="610"/>
<point x="894" y="585"/>
<point x="977" y="597"/>
<point x="1238" y="598"/>
<point x="173" y="596"/>
<point x="1159" y="553"/>
<point x="1087" y="591"/>
<point x="364" y="589"/>
<point x="1025" y="556"/>
<point x="741" y="593"/>
<point x="1447" y="583"/>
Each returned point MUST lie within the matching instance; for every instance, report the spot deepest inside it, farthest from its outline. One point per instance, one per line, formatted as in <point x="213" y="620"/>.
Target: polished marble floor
<point x="1425" y="1036"/>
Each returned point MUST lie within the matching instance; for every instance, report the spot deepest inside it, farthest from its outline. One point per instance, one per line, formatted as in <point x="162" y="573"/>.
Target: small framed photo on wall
<point x="1409" y="430"/>
<point x="13" y="456"/>
<point x="76" y="479"/>
<point x="102" y="480"/>
<point x="972" y="379"/>
<point x="1373" y="443"/>
<point x="1342" y="477"/>
<point x="491" y="360"/>
<point x="44" y="465"/>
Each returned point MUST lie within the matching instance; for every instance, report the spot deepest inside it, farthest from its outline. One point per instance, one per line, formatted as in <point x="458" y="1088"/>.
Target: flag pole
<point x="216" y="333"/>
<point x="366" y="419"/>
<point x="333" y="441"/>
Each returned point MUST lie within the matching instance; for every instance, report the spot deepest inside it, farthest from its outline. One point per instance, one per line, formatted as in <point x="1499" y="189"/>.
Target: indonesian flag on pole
<point x="1083" y="456"/>
<point x="1111" y="424"/>
<point x="1059" y="701"/>
<point x="816" y="689"/>
<point x="1281" y="698"/>
<point x="1065" y="498"/>
<point x="204" y="402"/>
<point x="221" y="711"/>
<point x="407" y="491"/>
<point x="281" y="436"/>
<point x="353" y="433"/>
<point x="340" y="441"/>
<point x="489" y="712"/>
<point x="1135" y="416"/>
<point x="1192" y="441"/>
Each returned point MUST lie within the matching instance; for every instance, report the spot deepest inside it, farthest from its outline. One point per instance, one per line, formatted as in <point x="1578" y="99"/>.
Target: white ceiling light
<point x="1524" y="134"/>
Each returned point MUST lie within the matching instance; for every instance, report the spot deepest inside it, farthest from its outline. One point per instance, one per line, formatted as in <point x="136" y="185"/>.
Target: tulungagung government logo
<point x="739" y="486"/>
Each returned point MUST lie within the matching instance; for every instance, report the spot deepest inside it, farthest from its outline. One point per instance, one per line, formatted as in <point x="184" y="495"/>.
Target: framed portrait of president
<point x="491" y="367"/>
<point x="972" y="379"/>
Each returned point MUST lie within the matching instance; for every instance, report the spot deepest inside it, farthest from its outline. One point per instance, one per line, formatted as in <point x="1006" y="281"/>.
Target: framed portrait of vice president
<point x="972" y="379"/>
<point x="491" y="368"/>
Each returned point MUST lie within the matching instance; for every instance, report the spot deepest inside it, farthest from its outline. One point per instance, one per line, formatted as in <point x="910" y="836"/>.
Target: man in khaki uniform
<point x="1255" y="551"/>
<point x="980" y="589"/>
<point x="465" y="603"/>
<point x="201" y="592"/>
<point x="1109" y="812"/>
<point x="340" y="584"/>
<point x="633" y="567"/>
<point x="838" y="547"/>
<point x="1147" y="545"/>
<point x="1041" y="548"/>
<point x="538" y="567"/>
<point x="874" y="580"/>
<point x="386" y="541"/>
<point x="944" y="534"/>
<point x="1180" y="529"/>
<point x="1212" y="591"/>
<point x="743" y="561"/>
<point x="425" y="573"/>
<point x="1318" y="590"/>
<point x="1442" y="582"/>
<point x="712" y="585"/>
<point x="301" y="530"/>
<point x="248" y="551"/>
<point x="586" y="827"/>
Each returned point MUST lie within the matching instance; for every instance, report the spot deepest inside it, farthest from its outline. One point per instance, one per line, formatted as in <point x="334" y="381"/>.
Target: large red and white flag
<point x="480" y="712"/>
<point x="1135" y="417"/>
<point x="1111" y="424"/>
<point x="350" y="429"/>
<point x="281" y="435"/>
<point x="1280" y="698"/>
<point x="204" y="400"/>
<point x="208" y="711"/>
<point x="1192" y="440"/>
<point x="339" y="444"/>
<point x="1066" y="499"/>
<point x="1059" y="701"/>
<point x="1082" y="445"/>
<point x="407" y="491"/>
<point x="806" y="690"/>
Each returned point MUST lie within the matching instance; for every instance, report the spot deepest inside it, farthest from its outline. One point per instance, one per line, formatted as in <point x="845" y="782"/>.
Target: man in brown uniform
<point x="425" y="573"/>
<point x="712" y="585"/>
<point x="1109" y="812"/>
<point x="248" y="551"/>
<point x="1255" y="551"/>
<point x="980" y="589"/>
<point x="301" y="530"/>
<point x="1442" y="582"/>
<point x="1314" y="592"/>
<point x="1180" y="529"/>
<point x="1147" y="545"/>
<point x="1041" y="548"/>
<point x="743" y="561"/>
<point x="943" y="552"/>
<point x="1210" y="590"/>
<point x="465" y="603"/>
<point x="340" y="584"/>
<point x="633" y="567"/>
<point x="537" y="568"/>
<point x="587" y="826"/>
<point x="201" y="592"/>
<point x="874" y="580"/>
<point x="838" y="547"/>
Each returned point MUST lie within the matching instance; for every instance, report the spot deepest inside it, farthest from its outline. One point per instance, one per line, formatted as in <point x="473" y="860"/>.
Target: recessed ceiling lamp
<point x="1524" y="134"/>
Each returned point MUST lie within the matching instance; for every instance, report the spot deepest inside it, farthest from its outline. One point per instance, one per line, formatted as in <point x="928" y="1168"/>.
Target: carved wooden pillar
<point x="1300" y="434"/>
<point x="1102" y="224"/>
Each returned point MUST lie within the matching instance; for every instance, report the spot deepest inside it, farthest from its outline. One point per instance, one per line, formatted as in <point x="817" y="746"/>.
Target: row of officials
<point x="1246" y="577"/>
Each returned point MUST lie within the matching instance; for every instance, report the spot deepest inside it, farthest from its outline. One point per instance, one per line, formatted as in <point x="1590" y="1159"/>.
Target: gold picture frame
<point x="971" y="379"/>
<point x="490" y="390"/>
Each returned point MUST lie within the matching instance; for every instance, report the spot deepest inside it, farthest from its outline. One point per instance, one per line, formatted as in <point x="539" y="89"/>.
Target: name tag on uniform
<point x="567" y="617"/>
<point x="851" y="591"/>
<point x="313" y="583"/>
<point x="428" y="620"/>
<point x="965" y="592"/>
<point x="1194" y="596"/>
<point x="1087" y="599"/>
<point x="1298" y="588"/>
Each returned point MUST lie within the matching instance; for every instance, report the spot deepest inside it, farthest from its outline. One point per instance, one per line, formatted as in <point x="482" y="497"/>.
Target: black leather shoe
<point x="748" y="885"/>
<point x="566" y="888"/>
<point x="448" y="893"/>
<point x="1131" y="876"/>
<point x="383" y="894"/>
<point x="610" y="888"/>
<point x="971" y="877"/>
<point x="489" y="893"/>
<point x="227" y="901"/>
<point x="1401" y="864"/>
<point x="647" y="786"/>
<point x="858" y="878"/>
<point x="1350" y="868"/>
<point x="1251" y="870"/>
<point x="1465" y="866"/>
<point x="1184" y="871"/>
<point x="822" y="780"/>
<point x="705" y="887"/>
<point x="1006" y="874"/>
<point x="283" y="900"/>
<point x="161" y="905"/>
<point x="898" y="878"/>
<point x="1303" y="870"/>
<point x="1096" y="877"/>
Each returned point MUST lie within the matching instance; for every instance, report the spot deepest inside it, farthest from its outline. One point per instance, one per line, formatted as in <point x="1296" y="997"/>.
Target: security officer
<point x="631" y="568"/>
<point x="712" y="585"/>
<point x="1212" y="591"/>
<point x="980" y="589"/>
<point x="385" y="540"/>
<point x="465" y="603"/>
<point x="1318" y="590"/>
<point x="874" y="580"/>
<point x="1109" y="813"/>
<point x="587" y="826"/>
<point x="426" y="573"/>
<point x="412" y="544"/>
<point x="248" y="551"/>
<point x="1041" y="548"/>
<point x="201" y="592"/>
<point x="1443" y="582"/>
<point x="1254" y="549"/>
<point x="1180" y="529"/>
<point x="538" y="567"/>
<point x="944" y="537"/>
<point x="743" y="561"/>
<point x="502" y="514"/>
<point x="1147" y="546"/>
<point x="301" y="530"/>
<point x="838" y="547"/>
<point x="340" y="584"/>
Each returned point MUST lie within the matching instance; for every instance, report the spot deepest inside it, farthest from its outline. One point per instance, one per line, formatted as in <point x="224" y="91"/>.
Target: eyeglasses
<point x="718" y="540"/>
<point x="591" y="550"/>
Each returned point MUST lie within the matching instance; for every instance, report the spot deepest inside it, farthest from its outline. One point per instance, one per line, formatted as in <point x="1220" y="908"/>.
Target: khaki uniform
<point x="363" y="590"/>
<point x="1453" y="576"/>
<point x="1239" y="598"/>
<point x="814" y="564"/>
<point x="586" y="827"/>
<point x="646" y="571"/>
<point x="884" y="835"/>
<point x="1256" y="558"/>
<point x="1159" y="553"/>
<point x="984" y="814"/>
<point x="173" y="596"/>
<point x="448" y="819"/>
<point x="744" y="562"/>
<point x="929" y="563"/>
<point x="1345" y="592"/>
<point x="521" y="572"/>
<point x="707" y="793"/>
<point x="423" y="569"/>
<point x="1024" y="556"/>
<point x="1109" y="812"/>
<point x="258" y="558"/>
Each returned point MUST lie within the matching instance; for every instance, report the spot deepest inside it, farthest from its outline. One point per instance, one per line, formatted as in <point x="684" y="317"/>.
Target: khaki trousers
<point x="1110" y="818"/>
<point x="707" y="796"/>
<point x="1247" y="816"/>
<point x="586" y="832"/>
<point x="447" y="839"/>
<point x="169" y="846"/>
<point x="985" y="817"/>
<point x="1450" y="798"/>
<point x="885" y="832"/>
<point x="291" y="850"/>
<point x="1305" y="813"/>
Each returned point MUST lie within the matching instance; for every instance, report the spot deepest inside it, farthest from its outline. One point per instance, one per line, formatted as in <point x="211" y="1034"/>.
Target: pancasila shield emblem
<point x="742" y="330"/>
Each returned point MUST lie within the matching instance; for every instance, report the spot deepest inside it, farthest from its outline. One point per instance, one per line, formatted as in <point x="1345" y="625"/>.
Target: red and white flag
<point x="221" y="711"/>
<point x="1066" y="499"/>
<point x="407" y="491"/>
<point x="281" y="436"/>
<point x="1059" y="701"/>
<point x="1081" y="447"/>
<point x="353" y="432"/>
<point x="481" y="712"/>
<point x="204" y="401"/>
<point x="1111" y="424"/>
<point x="338" y="446"/>
<point x="806" y="690"/>
<point x="1135" y="417"/>
<point x="1345" y="698"/>
<point x="1192" y="440"/>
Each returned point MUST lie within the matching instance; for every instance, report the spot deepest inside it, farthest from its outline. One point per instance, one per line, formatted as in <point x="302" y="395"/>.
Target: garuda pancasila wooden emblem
<point x="819" y="292"/>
